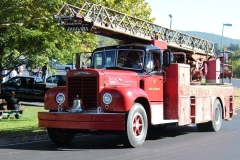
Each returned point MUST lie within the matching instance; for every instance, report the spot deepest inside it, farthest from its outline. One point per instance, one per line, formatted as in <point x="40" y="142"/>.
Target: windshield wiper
<point x="114" y="67"/>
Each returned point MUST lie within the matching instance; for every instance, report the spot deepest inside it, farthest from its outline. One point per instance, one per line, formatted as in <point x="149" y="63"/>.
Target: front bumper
<point x="82" y="121"/>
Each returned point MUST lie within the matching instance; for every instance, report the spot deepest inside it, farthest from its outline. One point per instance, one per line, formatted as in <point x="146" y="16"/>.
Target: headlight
<point x="60" y="98"/>
<point x="107" y="98"/>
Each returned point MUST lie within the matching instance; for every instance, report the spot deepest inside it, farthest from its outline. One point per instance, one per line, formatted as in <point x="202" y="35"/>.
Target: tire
<point x="136" y="127"/>
<point x="216" y="123"/>
<point x="67" y="69"/>
<point x="202" y="127"/>
<point x="60" y="136"/>
<point x="155" y="132"/>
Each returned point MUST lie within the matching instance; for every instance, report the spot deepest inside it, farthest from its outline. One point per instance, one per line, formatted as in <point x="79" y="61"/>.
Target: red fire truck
<point x="158" y="76"/>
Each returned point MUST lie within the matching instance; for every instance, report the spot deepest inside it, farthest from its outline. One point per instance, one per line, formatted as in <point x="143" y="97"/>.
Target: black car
<point x="59" y="80"/>
<point x="25" y="87"/>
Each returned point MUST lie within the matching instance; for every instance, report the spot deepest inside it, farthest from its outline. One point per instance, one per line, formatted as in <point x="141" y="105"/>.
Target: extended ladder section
<point x="103" y="21"/>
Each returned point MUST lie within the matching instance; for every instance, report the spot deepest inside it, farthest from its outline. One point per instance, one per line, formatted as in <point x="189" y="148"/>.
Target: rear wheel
<point x="136" y="127"/>
<point x="216" y="123"/>
<point x="60" y="136"/>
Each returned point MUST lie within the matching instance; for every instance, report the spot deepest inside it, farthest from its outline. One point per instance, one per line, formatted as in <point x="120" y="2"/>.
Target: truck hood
<point x="110" y="77"/>
<point x="120" y="78"/>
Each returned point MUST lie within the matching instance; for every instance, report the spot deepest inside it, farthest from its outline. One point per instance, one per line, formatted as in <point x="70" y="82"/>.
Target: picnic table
<point x="7" y="113"/>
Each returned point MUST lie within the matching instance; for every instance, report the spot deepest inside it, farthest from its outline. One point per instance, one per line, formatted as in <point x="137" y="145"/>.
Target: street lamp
<point x="170" y="20"/>
<point x="224" y="24"/>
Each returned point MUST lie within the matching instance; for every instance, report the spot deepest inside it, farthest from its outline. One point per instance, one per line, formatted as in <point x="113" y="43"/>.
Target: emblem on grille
<point x="81" y="73"/>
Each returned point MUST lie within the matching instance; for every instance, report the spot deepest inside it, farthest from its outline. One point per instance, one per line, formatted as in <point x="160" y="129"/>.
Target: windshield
<point x="103" y="59"/>
<point x="122" y="58"/>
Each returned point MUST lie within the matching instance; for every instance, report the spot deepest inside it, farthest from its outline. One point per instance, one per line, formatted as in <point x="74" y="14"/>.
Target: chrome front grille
<point x="86" y="88"/>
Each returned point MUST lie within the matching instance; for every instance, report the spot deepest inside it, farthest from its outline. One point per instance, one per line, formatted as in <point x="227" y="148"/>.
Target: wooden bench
<point x="8" y="113"/>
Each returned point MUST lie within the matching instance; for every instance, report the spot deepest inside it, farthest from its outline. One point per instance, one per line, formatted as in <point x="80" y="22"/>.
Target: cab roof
<point x="127" y="46"/>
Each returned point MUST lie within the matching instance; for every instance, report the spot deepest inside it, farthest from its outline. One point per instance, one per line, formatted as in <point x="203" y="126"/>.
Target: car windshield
<point x="122" y="58"/>
<point x="38" y="79"/>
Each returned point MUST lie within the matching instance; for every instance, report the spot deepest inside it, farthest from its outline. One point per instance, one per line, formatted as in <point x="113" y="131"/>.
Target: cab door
<point x="153" y="81"/>
<point x="153" y="86"/>
<point x="25" y="89"/>
<point x="11" y="85"/>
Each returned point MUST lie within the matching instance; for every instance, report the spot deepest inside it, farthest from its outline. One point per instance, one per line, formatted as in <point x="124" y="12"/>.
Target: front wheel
<point x="136" y="127"/>
<point x="60" y="136"/>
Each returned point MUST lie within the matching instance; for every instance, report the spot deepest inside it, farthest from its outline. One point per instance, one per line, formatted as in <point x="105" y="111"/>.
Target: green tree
<point x="236" y="64"/>
<point x="135" y="8"/>
<point x="27" y="29"/>
<point x="104" y="41"/>
<point x="216" y="47"/>
<point x="233" y="47"/>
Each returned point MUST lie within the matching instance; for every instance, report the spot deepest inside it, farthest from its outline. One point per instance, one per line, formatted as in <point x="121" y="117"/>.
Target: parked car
<point x="66" y="67"/>
<point x="56" y="80"/>
<point x="25" y="87"/>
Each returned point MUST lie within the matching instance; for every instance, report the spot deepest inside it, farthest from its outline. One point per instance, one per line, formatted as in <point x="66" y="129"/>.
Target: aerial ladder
<point x="100" y="20"/>
<point x="103" y="21"/>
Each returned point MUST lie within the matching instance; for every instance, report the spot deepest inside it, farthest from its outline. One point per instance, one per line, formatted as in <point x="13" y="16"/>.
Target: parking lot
<point x="41" y="104"/>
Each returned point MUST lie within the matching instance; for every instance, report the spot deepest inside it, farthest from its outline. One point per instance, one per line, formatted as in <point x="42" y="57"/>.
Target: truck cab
<point x="120" y="65"/>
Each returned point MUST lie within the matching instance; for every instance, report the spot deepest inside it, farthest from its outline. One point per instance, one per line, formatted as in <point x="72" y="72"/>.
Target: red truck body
<point x="130" y="100"/>
<point x="163" y="97"/>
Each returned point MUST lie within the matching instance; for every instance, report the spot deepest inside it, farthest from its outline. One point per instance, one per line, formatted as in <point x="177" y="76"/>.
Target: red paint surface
<point x="193" y="103"/>
<point x="82" y="121"/>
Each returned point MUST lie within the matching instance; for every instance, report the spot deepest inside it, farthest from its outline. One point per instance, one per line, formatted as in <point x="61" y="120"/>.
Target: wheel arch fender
<point x="146" y="105"/>
<point x="50" y="98"/>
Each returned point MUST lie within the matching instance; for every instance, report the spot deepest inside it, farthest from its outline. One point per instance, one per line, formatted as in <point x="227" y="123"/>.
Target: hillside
<point x="105" y="41"/>
<point x="213" y="37"/>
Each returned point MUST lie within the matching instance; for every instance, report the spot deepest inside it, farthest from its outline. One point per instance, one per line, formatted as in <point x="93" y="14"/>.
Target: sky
<point x="199" y="15"/>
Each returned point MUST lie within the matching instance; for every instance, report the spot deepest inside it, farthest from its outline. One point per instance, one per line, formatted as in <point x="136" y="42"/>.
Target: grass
<point x="27" y="124"/>
<point x="237" y="97"/>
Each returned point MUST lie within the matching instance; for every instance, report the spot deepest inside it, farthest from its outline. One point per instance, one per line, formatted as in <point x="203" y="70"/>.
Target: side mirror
<point x="167" y="58"/>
